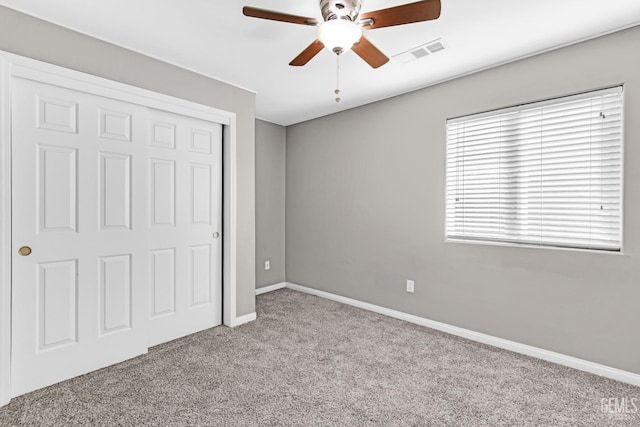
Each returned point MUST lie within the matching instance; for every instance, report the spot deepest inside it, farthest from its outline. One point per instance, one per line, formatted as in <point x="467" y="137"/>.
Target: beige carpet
<point x="310" y="361"/>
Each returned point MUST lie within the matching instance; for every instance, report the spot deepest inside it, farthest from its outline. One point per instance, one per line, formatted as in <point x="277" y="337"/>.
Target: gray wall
<point x="365" y="211"/>
<point x="30" y="37"/>
<point x="270" y="191"/>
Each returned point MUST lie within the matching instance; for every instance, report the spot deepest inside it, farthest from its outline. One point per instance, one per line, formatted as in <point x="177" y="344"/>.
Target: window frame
<point x="617" y="88"/>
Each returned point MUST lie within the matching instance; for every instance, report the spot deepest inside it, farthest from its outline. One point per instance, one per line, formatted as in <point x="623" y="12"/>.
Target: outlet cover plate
<point x="410" y="286"/>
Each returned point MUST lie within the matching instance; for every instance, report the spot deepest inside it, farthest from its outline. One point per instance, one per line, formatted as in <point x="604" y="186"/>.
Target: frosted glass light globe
<point x="339" y="35"/>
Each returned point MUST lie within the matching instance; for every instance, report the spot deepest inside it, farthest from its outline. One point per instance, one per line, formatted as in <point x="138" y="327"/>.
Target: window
<point x="548" y="173"/>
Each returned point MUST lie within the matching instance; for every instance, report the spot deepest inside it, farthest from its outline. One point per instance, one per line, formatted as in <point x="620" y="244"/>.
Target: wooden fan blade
<point x="277" y="16"/>
<point x="371" y="55"/>
<point x="306" y="55"/>
<point x="425" y="10"/>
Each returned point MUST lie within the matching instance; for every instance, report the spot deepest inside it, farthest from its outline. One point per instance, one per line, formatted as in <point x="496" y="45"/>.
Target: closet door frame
<point x="12" y="66"/>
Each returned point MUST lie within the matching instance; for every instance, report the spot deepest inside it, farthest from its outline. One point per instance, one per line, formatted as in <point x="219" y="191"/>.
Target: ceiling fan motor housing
<point x="340" y="9"/>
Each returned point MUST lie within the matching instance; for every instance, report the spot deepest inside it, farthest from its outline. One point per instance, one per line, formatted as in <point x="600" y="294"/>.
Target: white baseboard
<point x="550" y="356"/>
<point x="271" y="288"/>
<point x="241" y="320"/>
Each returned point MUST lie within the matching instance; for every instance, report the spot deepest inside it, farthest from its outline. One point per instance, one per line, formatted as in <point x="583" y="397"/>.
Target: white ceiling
<point x="213" y="38"/>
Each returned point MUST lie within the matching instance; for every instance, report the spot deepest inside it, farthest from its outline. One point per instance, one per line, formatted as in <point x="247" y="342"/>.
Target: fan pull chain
<point x="337" y="91"/>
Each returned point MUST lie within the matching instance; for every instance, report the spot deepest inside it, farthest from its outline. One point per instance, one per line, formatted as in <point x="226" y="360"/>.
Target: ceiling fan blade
<point x="277" y="16"/>
<point x="371" y="55"/>
<point x="425" y="10"/>
<point x="306" y="55"/>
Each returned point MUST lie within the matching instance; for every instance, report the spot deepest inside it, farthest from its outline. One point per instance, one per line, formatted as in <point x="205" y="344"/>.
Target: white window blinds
<point x="548" y="173"/>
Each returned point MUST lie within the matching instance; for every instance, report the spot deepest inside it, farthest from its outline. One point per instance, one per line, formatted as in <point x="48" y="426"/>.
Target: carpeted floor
<point x="310" y="361"/>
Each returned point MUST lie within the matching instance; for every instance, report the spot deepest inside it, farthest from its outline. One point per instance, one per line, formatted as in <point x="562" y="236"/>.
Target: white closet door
<point x="79" y="204"/>
<point x="185" y="209"/>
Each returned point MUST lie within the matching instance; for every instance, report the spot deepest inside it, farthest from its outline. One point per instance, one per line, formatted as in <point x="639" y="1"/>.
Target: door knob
<point x="24" y="251"/>
<point x="216" y="235"/>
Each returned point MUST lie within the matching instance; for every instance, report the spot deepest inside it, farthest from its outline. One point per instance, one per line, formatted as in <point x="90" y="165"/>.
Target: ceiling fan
<point x="343" y="25"/>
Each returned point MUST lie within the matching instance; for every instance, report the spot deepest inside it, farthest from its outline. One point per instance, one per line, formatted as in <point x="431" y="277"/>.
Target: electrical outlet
<point x="267" y="264"/>
<point x="410" y="286"/>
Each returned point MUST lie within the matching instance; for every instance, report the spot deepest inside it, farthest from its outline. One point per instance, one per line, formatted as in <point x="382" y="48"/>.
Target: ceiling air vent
<point x="420" y="52"/>
<point x="435" y="46"/>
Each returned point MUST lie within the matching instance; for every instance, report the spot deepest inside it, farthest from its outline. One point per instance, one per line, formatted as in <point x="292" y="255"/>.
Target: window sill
<point x="530" y="246"/>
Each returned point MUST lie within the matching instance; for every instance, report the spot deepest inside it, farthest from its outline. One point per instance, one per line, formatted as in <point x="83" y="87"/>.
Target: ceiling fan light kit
<point x="338" y="35"/>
